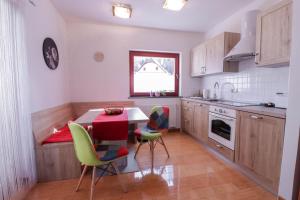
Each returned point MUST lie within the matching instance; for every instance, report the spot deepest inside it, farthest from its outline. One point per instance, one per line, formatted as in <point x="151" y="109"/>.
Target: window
<point x="153" y="71"/>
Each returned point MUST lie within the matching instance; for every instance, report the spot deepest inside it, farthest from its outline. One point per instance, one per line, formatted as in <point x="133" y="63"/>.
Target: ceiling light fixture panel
<point x="122" y="10"/>
<point x="175" y="5"/>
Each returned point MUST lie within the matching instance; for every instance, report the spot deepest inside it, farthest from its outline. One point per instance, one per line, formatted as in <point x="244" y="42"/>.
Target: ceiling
<point x="197" y="15"/>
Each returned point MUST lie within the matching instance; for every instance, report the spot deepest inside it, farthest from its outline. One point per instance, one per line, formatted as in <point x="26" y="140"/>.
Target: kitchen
<point x="241" y="111"/>
<point x="222" y="78"/>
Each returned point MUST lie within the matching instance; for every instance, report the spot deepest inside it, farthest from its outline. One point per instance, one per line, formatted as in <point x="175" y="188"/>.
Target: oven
<point x="222" y="123"/>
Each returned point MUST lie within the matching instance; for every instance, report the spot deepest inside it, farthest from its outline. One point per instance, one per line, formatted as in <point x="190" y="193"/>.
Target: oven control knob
<point x="220" y="111"/>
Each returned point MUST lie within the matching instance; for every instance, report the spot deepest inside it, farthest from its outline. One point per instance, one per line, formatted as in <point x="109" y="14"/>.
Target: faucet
<point x="233" y="90"/>
<point x="216" y="86"/>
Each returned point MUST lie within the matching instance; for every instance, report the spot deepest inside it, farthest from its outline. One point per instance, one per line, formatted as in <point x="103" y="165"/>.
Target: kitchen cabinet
<point x="200" y="122"/>
<point x="198" y="59"/>
<point x="195" y="119"/>
<point x="208" y="58"/>
<point x="187" y="112"/>
<point x="273" y="35"/>
<point x="259" y="146"/>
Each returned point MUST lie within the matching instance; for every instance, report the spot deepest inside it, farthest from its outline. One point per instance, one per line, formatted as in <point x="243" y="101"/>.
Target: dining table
<point x="135" y="117"/>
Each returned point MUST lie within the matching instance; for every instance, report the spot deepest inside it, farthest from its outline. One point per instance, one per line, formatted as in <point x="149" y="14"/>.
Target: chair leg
<point x="81" y="178"/>
<point x="152" y="153"/>
<point x="140" y="144"/>
<point x="119" y="178"/>
<point x="163" y="143"/>
<point x="103" y="172"/>
<point x="93" y="183"/>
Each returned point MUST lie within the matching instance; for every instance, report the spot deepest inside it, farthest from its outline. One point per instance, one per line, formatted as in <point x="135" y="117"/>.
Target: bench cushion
<point x="62" y="135"/>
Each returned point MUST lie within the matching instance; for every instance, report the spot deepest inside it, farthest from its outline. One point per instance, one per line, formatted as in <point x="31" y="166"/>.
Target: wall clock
<point x="50" y="53"/>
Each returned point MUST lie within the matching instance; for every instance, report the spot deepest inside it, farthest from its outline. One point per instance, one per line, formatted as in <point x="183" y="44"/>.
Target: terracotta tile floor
<point x="191" y="173"/>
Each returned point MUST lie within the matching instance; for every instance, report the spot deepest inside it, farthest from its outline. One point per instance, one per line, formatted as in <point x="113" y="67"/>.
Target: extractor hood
<point x="245" y="48"/>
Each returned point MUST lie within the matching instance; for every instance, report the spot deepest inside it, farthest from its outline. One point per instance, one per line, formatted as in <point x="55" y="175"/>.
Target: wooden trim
<point x="280" y="198"/>
<point x="176" y="56"/>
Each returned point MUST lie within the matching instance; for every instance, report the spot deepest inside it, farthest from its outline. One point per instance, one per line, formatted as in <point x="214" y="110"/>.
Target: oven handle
<point x="221" y="117"/>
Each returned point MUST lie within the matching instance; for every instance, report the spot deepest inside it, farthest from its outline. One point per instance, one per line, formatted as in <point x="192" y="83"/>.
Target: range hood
<point x="245" y="48"/>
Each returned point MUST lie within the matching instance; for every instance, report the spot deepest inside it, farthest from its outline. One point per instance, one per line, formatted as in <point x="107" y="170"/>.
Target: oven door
<point x="222" y="129"/>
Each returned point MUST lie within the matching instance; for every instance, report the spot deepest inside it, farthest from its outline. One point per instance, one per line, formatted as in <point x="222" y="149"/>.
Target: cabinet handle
<point x="255" y="117"/>
<point x="219" y="146"/>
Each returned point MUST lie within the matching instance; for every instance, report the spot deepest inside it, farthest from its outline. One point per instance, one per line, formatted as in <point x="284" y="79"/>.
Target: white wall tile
<point x="252" y="83"/>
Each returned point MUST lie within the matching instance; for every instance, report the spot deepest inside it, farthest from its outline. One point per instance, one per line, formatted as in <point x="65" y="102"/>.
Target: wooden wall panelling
<point x="43" y="122"/>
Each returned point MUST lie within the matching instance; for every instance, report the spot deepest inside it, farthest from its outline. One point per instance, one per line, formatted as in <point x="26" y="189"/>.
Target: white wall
<point x="293" y="112"/>
<point x="109" y="80"/>
<point x="48" y="88"/>
<point x="253" y="84"/>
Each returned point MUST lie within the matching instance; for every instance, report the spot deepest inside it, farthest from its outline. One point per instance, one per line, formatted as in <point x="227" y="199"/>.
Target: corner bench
<point x="57" y="161"/>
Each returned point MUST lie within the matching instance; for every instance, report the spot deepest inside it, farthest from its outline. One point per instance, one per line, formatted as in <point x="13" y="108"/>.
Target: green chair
<point x="87" y="156"/>
<point x="152" y="132"/>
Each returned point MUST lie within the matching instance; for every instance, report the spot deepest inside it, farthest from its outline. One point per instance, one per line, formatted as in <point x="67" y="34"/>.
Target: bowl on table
<point x="113" y="110"/>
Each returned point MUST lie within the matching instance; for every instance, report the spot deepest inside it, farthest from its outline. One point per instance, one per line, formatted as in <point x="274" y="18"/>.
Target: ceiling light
<point x="122" y="10"/>
<point x="175" y="5"/>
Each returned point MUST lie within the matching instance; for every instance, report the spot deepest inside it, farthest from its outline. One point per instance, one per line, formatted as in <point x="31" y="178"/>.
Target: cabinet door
<point x="198" y="60"/>
<point x="201" y="122"/>
<point x="247" y="141"/>
<point x="268" y="154"/>
<point x="187" y="117"/>
<point x="215" y="54"/>
<point x="273" y="41"/>
<point x="260" y="145"/>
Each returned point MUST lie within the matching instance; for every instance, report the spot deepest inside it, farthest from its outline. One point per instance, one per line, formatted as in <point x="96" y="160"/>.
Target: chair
<point x="152" y="132"/>
<point x="87" y="156"/>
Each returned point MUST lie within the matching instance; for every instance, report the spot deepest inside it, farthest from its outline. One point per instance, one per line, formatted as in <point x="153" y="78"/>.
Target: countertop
<point x="273" y="112"/>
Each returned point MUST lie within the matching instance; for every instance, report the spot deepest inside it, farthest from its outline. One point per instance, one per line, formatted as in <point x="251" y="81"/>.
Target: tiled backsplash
<point x="251" y="84"/>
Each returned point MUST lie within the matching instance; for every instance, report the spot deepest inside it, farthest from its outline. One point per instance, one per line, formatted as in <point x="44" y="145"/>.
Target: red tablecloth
<point x="111" y="127"/>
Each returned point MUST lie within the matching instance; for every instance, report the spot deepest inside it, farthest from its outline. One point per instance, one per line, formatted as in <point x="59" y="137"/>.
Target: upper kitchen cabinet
<point x="273" y="36"/>
<point x="208" y="58"/>
<point x="198" y="59"/>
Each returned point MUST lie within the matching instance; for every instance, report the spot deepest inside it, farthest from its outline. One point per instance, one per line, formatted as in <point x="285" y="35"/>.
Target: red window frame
<point x="132" y="54"/>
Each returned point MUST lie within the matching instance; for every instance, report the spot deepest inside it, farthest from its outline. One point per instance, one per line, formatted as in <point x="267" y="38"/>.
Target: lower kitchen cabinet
<point x="259" y="146"/>
<point x="187" y="112"/>
<point x="200" y="122"/>
<point x="195" y="119"/>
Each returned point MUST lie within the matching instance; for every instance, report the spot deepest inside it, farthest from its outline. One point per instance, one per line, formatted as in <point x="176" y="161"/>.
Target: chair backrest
<point x="83" y="145"/>
<point x="159" y="118"/>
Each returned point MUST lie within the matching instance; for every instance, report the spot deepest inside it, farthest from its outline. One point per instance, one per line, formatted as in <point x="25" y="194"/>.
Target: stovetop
<point x="226" y="102"/>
